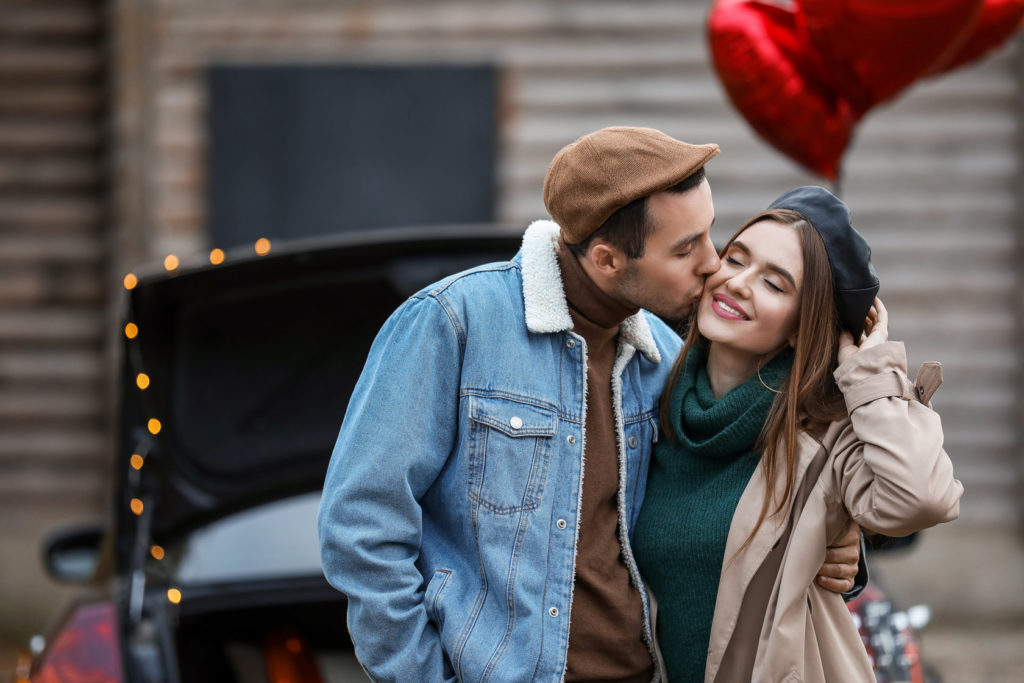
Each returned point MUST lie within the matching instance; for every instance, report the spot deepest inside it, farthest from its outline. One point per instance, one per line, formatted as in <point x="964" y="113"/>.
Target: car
<point x="234" y="381"/>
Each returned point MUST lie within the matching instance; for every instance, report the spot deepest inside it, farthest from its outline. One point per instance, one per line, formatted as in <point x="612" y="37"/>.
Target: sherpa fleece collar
<point x="547" y="310"/>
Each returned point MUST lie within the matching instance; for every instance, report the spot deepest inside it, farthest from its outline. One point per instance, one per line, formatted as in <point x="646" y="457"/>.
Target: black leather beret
<point x="854" y="281"/>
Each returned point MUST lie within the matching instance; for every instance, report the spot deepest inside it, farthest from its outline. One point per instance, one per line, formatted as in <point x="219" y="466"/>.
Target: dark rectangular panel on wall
<point x="303" y="150"/>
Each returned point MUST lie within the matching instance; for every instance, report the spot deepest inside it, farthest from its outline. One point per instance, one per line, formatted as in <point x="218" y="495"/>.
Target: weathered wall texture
<point x="933" y="182"/>
<point x="53" y="287"/>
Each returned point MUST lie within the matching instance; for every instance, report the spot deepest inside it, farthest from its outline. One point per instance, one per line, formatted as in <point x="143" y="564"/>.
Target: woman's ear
<point x="792" y="340"/>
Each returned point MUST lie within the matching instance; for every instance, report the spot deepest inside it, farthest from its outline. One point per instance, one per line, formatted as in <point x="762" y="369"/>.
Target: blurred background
<point x="130" y="130"/>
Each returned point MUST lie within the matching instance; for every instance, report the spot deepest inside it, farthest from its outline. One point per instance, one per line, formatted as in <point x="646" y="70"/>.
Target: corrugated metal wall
<point x="931" y="179"/>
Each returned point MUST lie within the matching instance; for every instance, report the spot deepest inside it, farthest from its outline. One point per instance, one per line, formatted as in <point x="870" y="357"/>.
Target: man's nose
<point x="711" y="263"/>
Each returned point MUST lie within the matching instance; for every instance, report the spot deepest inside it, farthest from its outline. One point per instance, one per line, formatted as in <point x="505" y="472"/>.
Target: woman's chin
<point x="705" y="321"/>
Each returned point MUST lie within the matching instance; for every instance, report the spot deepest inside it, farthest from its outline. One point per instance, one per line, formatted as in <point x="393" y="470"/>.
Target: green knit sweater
<point x="694" y="484"/>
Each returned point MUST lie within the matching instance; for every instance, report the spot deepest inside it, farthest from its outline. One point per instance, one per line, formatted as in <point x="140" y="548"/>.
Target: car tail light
<point x="85" y="650"/>
<point x="289" y="658"/>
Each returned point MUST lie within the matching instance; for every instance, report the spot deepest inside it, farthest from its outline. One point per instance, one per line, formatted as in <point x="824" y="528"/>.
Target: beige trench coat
<point x="884" y="468"/>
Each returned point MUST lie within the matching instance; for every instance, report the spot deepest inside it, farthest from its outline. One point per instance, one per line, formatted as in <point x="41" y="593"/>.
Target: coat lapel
<point x="739" y="570"/>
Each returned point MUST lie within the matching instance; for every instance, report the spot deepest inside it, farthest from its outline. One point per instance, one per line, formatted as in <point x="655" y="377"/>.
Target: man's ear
<point x="607" y="259"/>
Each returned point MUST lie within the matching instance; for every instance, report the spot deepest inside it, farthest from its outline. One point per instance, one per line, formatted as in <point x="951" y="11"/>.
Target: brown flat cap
<point x="593" y="177"/>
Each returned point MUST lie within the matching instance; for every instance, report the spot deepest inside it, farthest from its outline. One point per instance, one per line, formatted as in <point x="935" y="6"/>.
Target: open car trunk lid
<point x="251" y="364"/>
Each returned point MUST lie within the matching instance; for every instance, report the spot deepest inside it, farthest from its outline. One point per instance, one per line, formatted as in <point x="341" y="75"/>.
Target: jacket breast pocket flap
<point x="513" y="418"/>
<point x="510" y="453"/>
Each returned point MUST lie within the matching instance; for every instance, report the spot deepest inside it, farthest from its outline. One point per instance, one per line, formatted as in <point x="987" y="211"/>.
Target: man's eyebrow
<point x="770" y="266"/>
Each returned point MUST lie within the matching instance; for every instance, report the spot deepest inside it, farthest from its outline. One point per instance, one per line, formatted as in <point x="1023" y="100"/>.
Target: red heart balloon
<point x="999" y="20"/>
<point x="876" y="48"/>
<point x="804" y="78"/>
<point x="778" y="84"/>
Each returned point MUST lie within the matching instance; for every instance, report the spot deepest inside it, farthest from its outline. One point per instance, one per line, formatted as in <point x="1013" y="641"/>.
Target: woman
<point x="779" y="431"/>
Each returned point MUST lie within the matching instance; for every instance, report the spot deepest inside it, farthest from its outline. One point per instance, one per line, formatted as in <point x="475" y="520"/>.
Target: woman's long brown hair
<point x="808" y="399"/>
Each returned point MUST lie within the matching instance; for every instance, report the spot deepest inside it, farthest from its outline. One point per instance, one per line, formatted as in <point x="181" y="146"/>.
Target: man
<point x="479" y="502"/>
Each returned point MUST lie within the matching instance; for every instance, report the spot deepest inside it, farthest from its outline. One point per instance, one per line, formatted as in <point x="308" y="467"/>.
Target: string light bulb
<point x="142" y="381"/>
<point x="131" y="330"/>
<point x="171" y="262"/>
<point x="174" y="595"/>
<point x="136" y="506"/>
<point x="262" y="246"/>
<point x="137" y="461"/>
<point x="217" y="257"/>
<point x="157" y="552"/>
<point x="154" y="426"/>
<point x="130" y="281"/>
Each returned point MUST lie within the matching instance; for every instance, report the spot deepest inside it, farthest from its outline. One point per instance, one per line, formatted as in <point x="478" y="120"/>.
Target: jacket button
<point x="571" y="343"/>
<point x="553" y="611"/>
<point x="560" y="524"/>
<point x="516" y="422"/>
<point x="632" y="442"/>
<point x="571" y="440"/>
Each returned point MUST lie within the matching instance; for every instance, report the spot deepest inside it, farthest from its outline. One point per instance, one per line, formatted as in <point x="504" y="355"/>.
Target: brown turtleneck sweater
<point x="606" y="623"/>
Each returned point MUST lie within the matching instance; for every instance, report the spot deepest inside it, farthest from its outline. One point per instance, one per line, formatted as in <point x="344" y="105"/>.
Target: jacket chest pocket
<point x="509" y="455"/>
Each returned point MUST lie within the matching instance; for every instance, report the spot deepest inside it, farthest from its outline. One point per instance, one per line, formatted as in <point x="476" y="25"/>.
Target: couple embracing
<point x="537" y="479"/>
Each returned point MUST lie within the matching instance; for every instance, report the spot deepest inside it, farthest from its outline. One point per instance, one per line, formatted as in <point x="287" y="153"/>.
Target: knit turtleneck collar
<point x="585" y="297"/>
<point x="729" y="426"/>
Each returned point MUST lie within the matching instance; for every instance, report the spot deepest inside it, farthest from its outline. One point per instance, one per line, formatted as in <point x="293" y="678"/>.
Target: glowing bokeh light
<point x="262" y="246"/>
<point x="131" y="330"/>
<point x="174" y="595"/>
<point x="136" y="506"/>
<point x="217" y="257"/>
<point x="154" y="426"/>
<point x="142" y="380"/>
<point x="171" y="262"/>
<point x="137" y="461"/>
<point x="157" y="552"/>
<point x="130" y="281"/>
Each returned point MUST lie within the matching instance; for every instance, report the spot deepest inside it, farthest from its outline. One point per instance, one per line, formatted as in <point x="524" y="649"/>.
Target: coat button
<point x="571" y="343"/>
<point x="571" y="440"/>
<point x="632" y="442"/>
<point x="516" y="422"/>
<point x="560" y="524"/>
<point x="553" y="611"/>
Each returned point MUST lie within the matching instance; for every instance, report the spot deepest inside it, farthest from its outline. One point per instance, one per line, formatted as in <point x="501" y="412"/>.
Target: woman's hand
<point x="876" y="331"/>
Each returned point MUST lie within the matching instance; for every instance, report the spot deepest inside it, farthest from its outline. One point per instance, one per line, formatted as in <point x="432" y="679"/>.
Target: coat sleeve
<point x="396" y="436"/>
<point x="889" y="468"/>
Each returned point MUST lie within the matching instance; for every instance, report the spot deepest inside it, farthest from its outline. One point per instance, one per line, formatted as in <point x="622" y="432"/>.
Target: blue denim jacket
<point x="449" y="512"/>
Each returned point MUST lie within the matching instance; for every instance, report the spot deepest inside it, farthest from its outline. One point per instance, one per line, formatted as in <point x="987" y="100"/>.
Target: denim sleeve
<point x="397" y="433"/>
